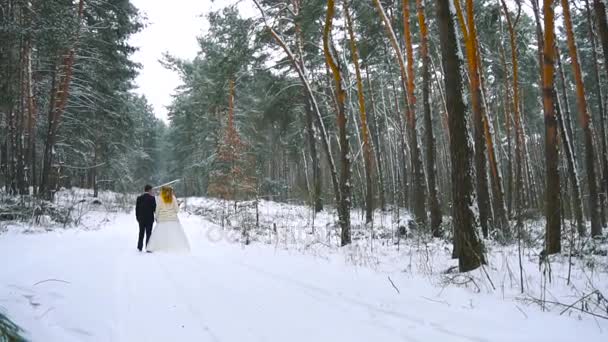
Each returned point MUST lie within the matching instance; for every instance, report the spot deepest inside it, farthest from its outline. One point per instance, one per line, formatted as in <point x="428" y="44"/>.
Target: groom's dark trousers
<point x="144" y="211"/>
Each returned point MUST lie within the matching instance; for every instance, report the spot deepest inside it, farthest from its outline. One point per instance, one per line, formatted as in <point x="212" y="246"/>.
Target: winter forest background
<point x="481" y="118"/>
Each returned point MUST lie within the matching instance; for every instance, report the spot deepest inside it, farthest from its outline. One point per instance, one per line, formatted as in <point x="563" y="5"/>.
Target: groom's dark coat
<point x="145" y="208"/>
<point x="144" y="211"/>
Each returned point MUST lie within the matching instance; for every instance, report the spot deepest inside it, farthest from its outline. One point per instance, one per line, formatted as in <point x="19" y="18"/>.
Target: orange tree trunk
<point x="519" y="136"/>
<point x="585" y="119"/>
<point x="561" y="113"/>
<point x="367" y="151"/>
<point x="418" y="176"/>
<point x="552" y="191"/>
<point x="418" y="182"/>
<point x="434" y="206"/>
<point x="300" y="70"/>
<point x="344" y="203"/>
<point x="59" y="98"/>
<point x="483" y="196"/>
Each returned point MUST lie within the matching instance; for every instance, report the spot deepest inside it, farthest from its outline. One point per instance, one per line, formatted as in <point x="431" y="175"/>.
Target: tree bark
<point x="367" y="151"/>
<point x="552" y="191"/>
<point x="602" y="25"/>
<point x="345" y="187"/>
<point x="313" y="102"/>
<point x="434" y="205"/>
<point x="519" y="135"/>
<point x="483" y="196"/>
<point x="312" y="140"/>
<point x="585" y="119"/>
<point x="376" y="140"/>
<point x="601" y="114"/>
<point x="59" y="98"/>
<point x="416" y="163"/>
<point x="418" y="181"/>
<point x="469" y="248"/>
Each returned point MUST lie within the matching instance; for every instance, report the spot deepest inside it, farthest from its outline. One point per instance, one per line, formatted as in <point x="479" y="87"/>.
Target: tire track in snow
<point x="333" y="300"/>
<point x="332" y="305"/>
<point x="188" y="301"/>
<point x="356" y="302"/>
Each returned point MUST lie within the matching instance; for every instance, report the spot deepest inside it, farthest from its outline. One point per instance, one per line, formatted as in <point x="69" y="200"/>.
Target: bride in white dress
<point x="168" y="235"/>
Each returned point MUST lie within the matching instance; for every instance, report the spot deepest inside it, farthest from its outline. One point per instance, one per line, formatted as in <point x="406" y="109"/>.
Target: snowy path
<point x="223" y="292"/>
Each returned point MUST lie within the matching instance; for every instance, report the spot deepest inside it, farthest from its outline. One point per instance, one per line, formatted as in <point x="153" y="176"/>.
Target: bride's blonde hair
<point x="166" y="193"/>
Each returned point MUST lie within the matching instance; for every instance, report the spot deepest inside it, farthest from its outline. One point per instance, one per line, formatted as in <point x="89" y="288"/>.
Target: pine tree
<point x="585" y="119"/>
<point x="552" y="230"/>
<point x="345" y="171"/>
<point x="230" y="179"/>
<point x="468" y="246"/>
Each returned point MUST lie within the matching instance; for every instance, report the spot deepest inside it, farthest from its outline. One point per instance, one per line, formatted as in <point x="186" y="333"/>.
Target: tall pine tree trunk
<point x="376" y="140"/>
<point x="312" y="141"/>
<point x="561" y="112"/>
<point x="602" y="25"/>
<point x="483" y="195"/>
<point x="418" y="181"/>
<point x="506" y="103"/>
<point x="601" y="114"/>
<point x="552" y="191"/>
<point x="519" y="135"/>
<point x="408" y="86"/>
<point x="32" y="117"/>
<point x="434" y="206"/>
<point x="299" y="67"/>
<point x="316" y="169"/>
<point x="59" y="98"/>
<point x="367" y="151"/>
<point x="345" y="188"/>
<point x="585" y="118"/>
<point x="468" y="247"/>
<point x="499" y="216"/>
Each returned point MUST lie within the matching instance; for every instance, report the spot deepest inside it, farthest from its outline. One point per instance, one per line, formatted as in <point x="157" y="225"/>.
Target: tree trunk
<point x="506" y="103"/>
<point x="345" y="188"/>
<point x="434" y="206"/>
<point x="316" y="169"/>
<point x="585" y="118"/>
<point x="572" y="172"/>
<point x="313" y="102"/>
<point x="469" y="248"/>
<point x="416" y="162"/>
<point x="499" y="216"/>
<point x="562" y="112"/>
<point x="552" y="191"/>
<point x="367" y="151"/>
<point x="418" y="181"/>
<point x="483" y="196"/>
<point x="59" y="98"/>
<point x="376" y="140"/>
<point x="519" y="136"/>
<point x="32" y="118"/>
<point x="601" y="114"/>
<point x="312" y="139"/>
<point x="602" y="25"/>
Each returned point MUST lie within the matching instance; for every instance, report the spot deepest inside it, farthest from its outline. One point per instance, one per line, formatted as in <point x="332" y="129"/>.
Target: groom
<point x="144" y="211"/>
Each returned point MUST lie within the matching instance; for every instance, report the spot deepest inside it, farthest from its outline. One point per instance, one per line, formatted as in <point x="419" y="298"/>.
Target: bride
<point x="168" y="235"/>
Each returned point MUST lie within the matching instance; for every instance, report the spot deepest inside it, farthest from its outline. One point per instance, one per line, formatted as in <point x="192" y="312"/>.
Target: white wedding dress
<point x="168" y="235"/>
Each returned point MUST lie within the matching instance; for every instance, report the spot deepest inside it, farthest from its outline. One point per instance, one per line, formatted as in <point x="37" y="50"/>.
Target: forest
<point x="475" y="116"/>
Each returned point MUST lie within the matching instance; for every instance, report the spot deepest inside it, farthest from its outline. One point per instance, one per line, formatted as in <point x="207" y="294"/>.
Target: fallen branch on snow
<point x="567" y="306"/>
<point x="49" y="280"/>
<point x="395" y="287"/>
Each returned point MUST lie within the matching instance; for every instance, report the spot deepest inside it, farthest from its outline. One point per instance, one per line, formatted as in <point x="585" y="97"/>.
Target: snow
<point x="90" y="284"/>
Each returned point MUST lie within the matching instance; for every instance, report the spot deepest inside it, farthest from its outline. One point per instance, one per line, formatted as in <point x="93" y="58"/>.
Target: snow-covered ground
<point x="90" y="284"/>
